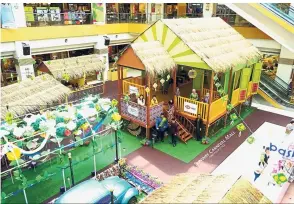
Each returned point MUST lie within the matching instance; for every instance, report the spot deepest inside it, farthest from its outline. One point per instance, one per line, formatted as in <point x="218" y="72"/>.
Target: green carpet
<point x="46" y="189"/>
<point x="187" y="152"/>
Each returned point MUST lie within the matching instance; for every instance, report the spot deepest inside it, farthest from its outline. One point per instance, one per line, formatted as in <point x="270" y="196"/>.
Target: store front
<point x="42" y="14"/>
<point x="194" y="10"/>
<point x="8" y="72"/>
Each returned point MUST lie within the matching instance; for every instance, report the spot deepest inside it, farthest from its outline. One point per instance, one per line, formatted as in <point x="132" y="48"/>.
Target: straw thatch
<point x="154" y="57"/>
<point x="193" y="188"/>
<point x="30" y="95"/>
<point x="216" y="42"/>
<point x="76" y="67"/>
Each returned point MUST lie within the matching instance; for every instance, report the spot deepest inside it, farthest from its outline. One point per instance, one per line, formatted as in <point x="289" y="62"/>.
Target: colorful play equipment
<point x="222" y="65"/>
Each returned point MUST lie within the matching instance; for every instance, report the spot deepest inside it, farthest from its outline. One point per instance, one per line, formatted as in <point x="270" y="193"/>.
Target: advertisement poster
<point x="7" y="16"/>
<point x="26" y="72"/>
<point x="133" y="89"/>
<point x="55" y="14"/>
<point x="42" y="14"/>
<point x="98" y="11"/>
<point x="29" y="13"/>
<point x="133" y="111"/>
<point x="267" y="162"/>
<point x="190" y="107"/>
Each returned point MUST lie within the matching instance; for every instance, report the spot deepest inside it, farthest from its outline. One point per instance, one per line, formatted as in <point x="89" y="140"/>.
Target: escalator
<point x="272" y="19"/>
<point x="276" y="89"/>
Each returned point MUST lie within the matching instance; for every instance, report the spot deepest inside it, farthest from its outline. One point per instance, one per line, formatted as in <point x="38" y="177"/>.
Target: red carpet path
<point x="165" y="167"/>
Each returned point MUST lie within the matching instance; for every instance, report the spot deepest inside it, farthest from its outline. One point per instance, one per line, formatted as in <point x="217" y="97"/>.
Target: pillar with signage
<point x="24" y="62"/>
<point x="245" y="78"/>
<point x="101" y="48"/>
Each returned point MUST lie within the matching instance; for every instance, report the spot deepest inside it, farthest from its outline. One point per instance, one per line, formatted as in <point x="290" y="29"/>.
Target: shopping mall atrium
<point x="147" y="102"/>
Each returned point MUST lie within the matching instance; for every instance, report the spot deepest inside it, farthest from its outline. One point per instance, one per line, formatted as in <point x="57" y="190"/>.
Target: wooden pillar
<point x="148" y="101"/>
<point x="175" y="86"/>
<point x="209" y="102"/>
<point x="119" y="86"/>
<point x="230" y="84"/>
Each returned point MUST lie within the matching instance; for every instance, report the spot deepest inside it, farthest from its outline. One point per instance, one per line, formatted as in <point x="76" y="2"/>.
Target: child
<point x="154" y="101"/>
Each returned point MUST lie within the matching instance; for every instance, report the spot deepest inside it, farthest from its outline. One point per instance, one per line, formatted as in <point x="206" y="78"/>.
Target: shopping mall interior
<point x="147" y="103"/>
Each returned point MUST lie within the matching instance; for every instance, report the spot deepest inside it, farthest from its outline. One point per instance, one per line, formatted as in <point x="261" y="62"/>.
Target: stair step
<point x="187" y="138"/>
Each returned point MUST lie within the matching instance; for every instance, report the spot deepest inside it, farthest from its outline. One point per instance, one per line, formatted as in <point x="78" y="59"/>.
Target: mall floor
<point x="165" y="166"/>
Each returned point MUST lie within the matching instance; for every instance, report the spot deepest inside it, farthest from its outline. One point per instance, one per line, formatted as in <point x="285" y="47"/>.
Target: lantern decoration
<point x="9" y="118"/>
<point x="14" y="154"/>
<point x="155" y="86"/>
<point x="250" y="139"/>
<point x="114" y="103"/>
<point x="162" y="81"/>
<point x="147" y="89"/>
<point x="241" y="127"/>
<point x="215" y="78"/>
<point x="233" y="118"/>
<point x="229" y="107"/>
<point x="192" y="74"/>
<point x="116" y="117"/>
<point x="167" y="77"/>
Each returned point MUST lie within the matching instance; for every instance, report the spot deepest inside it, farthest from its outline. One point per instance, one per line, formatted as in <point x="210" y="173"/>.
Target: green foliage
<point x="60" y="131"/>
<point x="3" y="196"/>
<point x="36" y="124"/>
<point x="59" y="120"/>
<point x="39" y="178"/>
<point x="14" y="163"/>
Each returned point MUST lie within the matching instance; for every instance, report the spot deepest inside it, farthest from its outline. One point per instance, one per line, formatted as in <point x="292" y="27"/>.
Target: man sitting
<point x="161" y="126"/>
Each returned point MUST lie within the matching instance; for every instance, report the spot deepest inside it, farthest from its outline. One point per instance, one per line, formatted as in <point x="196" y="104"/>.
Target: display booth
<point x="83" y="74"/>
<point x="222" y="65"/>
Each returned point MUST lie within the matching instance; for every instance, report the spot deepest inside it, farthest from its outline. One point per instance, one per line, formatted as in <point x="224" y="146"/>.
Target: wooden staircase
<point x="183" y="133"/>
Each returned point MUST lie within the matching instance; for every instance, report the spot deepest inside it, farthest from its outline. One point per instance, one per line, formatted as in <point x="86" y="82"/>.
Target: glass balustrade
<point x="283" y="10"/>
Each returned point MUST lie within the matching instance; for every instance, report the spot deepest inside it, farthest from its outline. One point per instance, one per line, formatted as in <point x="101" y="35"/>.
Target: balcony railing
<point x="36" y="19"/>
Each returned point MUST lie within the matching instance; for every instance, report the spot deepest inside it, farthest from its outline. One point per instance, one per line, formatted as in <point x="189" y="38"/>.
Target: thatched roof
<point x="154" y="57"/>
<point x="193" y="188"/>
<point x="30" y="95"/>
<point x="76" y="67"/>
<point x="216" y="42"/>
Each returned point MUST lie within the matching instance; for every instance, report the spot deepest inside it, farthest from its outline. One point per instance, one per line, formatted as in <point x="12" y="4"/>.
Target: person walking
<point x="173" y="131"/>
<point x="199" y="126"/>
<point x="161" y="126"/>
<point x="289" y="130"/>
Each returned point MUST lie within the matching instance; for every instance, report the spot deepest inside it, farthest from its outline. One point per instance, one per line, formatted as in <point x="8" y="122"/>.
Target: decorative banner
<point x="242" y="95"/>
<point x="192" y="74"/>
<point x="255" y="87"/>
<point x="98" y="11"/>
<point x="155" y="86"/>
<point x="133" y="111"/>
<point x="190" y="107"/>
<point x="162" y="81"/>
<point x="133" y="89"/>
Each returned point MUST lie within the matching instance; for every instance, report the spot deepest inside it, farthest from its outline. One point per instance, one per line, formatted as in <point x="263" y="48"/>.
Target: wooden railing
<point x="126" y="88"/>
<point x="217" y="109"/>
<point x="202" y="108"/>
<point x="186" y="123"/>
<point x="135" y="80"/>
<point x="235" y="97"/>
<point x="215" y="94"/>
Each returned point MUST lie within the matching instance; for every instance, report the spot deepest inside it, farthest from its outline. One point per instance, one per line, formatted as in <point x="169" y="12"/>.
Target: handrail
<point x="273" y="7"/>
<point x="273" y="82"/>
<point x="188" y="126"/>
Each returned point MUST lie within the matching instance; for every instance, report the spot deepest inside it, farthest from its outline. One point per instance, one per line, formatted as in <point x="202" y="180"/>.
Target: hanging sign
<point x="192" y="74"/>
<point x="242" y="96"/>
<point x="254" y="88"/>
<point x="133" y="111"/>
<point x="190" y="107"/>
<point x="133" y="89"/>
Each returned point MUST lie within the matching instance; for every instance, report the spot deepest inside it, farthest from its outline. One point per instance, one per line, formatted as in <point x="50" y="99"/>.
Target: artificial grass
<point x="46" y="189"/>
<point x="187" y="152"/>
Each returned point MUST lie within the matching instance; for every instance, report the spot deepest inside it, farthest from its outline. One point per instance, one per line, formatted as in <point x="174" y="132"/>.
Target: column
<point x="285" y="65"/>
<point x="209" y="10"/>
<point x="102" y="50"/>
<point x="24" y="62"/>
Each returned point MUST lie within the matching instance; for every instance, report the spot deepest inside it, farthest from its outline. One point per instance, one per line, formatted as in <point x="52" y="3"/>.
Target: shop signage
<point x="99" y="13"/>
<point x="190" y="107"/>
<point x="133" y="89"/>
<point x="133" y="111"/>
<point x="26" y="72"/>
